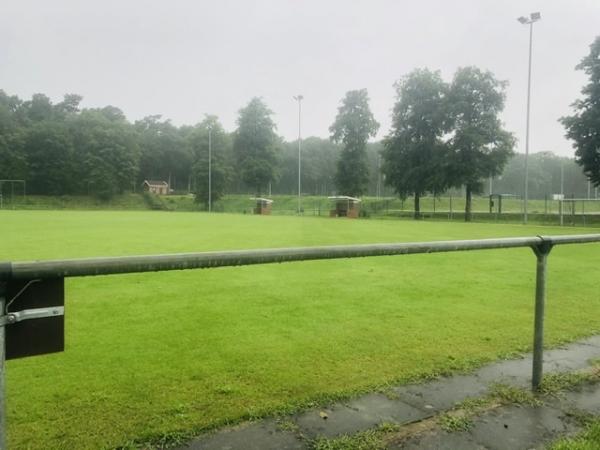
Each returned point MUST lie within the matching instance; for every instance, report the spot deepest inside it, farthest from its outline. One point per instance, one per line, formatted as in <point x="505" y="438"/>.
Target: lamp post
<point x="533" y="17"/>
<point x="562" y="180"/>
<point x="209" y="168"/>
<point x="378" y="176"/>
<point x="299" y="98"/>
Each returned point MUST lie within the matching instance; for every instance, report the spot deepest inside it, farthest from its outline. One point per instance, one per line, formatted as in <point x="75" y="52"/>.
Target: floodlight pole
<point x="378" y="176"/>
<point x="209" y="168"/>
<point x="562" y="179"/>
<point x="533" y="17"/>
<point x="299" y="99"/>
<point x="589" y="189"/>
<point x="527" y="126"/>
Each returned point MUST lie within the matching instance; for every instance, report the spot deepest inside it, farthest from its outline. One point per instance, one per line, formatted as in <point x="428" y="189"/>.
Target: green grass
<point x="541" y="212"/>
<point x="555" y="382"/>
<point x="513" y="395"/>
<point x="587" y="440"/>
<point x="47" y="202"/>
<point x="157" y="357"/>
<point x="287" y="204"/>
<point x="452" y="423"/>
<point x="366" y="440"/>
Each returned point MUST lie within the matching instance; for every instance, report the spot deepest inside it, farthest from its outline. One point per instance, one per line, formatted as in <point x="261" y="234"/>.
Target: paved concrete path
<point x="509" y="427"/>
<point x="514" y="427"/>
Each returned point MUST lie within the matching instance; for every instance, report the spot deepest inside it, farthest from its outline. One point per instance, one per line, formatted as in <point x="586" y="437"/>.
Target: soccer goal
<point x="579" y="210"/>
<point x="11" y="190"/>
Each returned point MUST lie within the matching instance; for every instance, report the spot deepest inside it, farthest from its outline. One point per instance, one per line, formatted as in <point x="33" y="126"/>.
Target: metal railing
<point x="54" y="269"/>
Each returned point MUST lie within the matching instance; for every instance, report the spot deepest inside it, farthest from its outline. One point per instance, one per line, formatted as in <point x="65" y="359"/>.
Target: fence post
<point x="541" y="252"/>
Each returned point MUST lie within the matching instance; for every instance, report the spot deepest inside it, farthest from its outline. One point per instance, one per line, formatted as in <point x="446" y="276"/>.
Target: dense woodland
<point x="60" y="149"/>
<point x="444" y="136"/>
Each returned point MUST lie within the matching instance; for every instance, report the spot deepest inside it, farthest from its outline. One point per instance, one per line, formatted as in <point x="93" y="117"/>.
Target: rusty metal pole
<point x="541" y="252"/>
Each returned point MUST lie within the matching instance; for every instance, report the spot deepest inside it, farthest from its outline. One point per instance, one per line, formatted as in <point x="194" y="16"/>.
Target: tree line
<point x="444" y="136"/>
<point x="61" y="148"/>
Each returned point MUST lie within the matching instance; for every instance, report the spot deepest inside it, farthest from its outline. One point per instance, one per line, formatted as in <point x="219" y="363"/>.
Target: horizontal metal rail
<point x="28" y="270"/>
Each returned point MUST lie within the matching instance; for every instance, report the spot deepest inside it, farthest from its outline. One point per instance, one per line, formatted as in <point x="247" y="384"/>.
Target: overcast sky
<point x="185" y="59"/>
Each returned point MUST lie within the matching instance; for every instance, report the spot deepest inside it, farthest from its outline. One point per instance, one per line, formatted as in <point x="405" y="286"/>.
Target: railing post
<point x="2" y="358"/>
<point x="541" y="252"/>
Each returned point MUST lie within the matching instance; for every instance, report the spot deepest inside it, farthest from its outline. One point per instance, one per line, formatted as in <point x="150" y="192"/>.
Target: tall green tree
<point x="13" y="164"/>
<point x="548" y="174"/>
<point x="221" y="161"/>
<point x="69" y="105"/>
<point x="353" y="126"/>
<point x="256" y="146"/>
<point x="480" y="145"/>
<point x="583" y="127"/>
<point x="164" y="152"/>
<point x="415" y="154"/>
<point x="39" y="108"/>
<point x="48" y="149"/>
<point x="319" y="158"/>
<point x="12" y="159"/>
<point x="106" y="153"/>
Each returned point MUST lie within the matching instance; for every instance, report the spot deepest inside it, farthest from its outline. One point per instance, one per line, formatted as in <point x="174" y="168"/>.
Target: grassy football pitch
<point x="154" y="357"/>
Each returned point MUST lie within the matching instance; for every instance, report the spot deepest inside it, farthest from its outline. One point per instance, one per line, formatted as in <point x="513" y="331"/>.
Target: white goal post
<point x="12" y="183"/>
<point x="568" y="206"/>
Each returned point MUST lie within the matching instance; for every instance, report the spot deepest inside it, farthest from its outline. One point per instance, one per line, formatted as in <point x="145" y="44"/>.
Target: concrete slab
<point x="515" y="371"/>
<point x="255" y="436"/>
<point x="514" y="427"/>
<point x="585" y="399"/>
<point x="592" y="340"/>
<point x="387" y="410"/>
<point x="570" y="358"/>
<point x="340" y="420"/>
<point x="362" y="413"/>
<point x="441" y="394"/>
<point x="440" y="440"/>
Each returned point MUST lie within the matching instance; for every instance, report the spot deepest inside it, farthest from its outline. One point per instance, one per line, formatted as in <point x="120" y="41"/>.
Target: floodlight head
<point x="523" y="20"/>
<point x="298" y="97"/>
<point x="535" y="16"/>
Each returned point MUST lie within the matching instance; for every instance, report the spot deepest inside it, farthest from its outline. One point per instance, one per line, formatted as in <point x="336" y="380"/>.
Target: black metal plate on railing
<point x="36" y="336"/>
